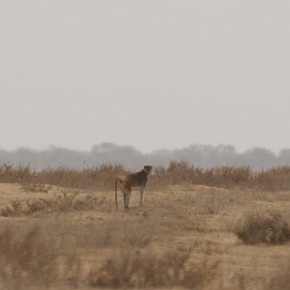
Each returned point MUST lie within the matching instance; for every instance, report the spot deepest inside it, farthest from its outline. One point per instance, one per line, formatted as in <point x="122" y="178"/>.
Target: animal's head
<point x="147" y="169"/>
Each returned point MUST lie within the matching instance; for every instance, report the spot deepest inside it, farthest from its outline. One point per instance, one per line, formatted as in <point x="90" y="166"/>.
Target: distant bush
<point x="264" y="227"/>
<point x="182" y="172"/>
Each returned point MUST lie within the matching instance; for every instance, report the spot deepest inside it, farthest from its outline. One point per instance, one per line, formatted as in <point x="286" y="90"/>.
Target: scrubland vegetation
<point x="102" y="177"/>
<point x="221" y="228"/>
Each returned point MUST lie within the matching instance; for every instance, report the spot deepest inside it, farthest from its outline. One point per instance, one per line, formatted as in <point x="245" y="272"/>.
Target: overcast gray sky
<point x="152" y="74"/>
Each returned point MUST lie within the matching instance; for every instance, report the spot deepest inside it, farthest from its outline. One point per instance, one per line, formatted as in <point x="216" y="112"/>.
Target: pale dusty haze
<point x="151" y="74"/>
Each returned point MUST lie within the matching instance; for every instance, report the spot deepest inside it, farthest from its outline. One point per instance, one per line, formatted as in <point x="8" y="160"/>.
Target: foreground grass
<point x="26" y="258"/>
<point x="46" y="254"/>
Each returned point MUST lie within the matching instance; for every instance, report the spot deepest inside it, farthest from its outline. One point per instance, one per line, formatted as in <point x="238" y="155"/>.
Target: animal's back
<point x="135" y="179"/>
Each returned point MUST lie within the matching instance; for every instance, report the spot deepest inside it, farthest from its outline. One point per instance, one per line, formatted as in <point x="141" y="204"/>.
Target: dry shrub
<point x="20" y="173"/>
<point x="147" y="269"/>
<point x="69" y="202"/>
<point x="14" y="210"/>
<point x="25" y="258"/>
<point x="264" y="227"/>
<point x="277" y="178"/>
<point x="184" y="173"/>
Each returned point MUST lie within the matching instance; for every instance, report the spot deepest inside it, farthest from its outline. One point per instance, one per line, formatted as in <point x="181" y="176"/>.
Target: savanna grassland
<point x="217" y="229"/>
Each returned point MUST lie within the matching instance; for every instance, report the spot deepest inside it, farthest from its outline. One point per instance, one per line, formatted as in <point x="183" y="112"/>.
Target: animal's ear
<point x="147" y="168"/>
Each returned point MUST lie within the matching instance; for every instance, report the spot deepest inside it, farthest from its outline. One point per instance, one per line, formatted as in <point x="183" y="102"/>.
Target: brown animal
<point x="132" y="180"/>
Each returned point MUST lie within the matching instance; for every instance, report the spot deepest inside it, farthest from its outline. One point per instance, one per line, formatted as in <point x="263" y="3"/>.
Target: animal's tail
<point x="116" y="189"/>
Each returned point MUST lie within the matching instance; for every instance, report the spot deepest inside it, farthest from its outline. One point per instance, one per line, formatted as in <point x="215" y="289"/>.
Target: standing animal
<point x="132" y="180"/>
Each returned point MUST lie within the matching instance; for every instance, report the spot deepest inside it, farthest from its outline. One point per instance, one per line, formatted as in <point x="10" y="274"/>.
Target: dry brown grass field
<point x="218" y="229"/>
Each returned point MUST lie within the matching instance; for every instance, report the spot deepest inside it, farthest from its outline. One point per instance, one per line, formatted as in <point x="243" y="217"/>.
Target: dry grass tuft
<point x="25" y="257"/>
<point x="146" y="269"/>
<point x="211" y="204"/>
<point x="264" y="227"/>
<point x="14" y="210"/>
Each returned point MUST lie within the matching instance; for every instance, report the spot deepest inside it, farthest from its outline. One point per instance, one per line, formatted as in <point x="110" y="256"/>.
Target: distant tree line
<point x="202" y="156"/>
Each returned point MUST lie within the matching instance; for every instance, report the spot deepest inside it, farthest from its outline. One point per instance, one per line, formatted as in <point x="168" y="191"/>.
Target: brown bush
<point x="264" y="227"/>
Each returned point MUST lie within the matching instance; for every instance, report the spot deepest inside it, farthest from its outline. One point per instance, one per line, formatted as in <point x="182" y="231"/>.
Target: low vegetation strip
<point x="63" y="202"/>
<point x="103" y="177"/>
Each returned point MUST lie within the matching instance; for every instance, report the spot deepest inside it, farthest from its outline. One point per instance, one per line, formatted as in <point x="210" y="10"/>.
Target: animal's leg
<point x="127" y="196"/>
<point x="141" y="195"/>
<point x="124" y="196"/>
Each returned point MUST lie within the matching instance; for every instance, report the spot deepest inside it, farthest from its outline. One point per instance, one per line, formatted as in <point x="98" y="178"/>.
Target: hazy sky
<point x="152" y="74"/>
